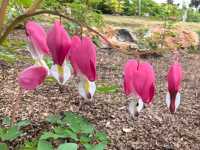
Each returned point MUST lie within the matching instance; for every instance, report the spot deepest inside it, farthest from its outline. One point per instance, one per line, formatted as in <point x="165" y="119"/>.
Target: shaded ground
<point x="155" y="128"/>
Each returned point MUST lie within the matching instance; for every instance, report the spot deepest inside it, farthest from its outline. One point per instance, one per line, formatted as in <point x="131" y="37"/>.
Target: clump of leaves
<point x="71" y="131"/>
<point x="10" y="131"/>
<point x="86" y="15"/>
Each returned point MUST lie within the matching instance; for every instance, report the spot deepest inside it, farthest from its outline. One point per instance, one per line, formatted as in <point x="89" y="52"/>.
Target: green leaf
<point x="7" y="57"/>
<point x="68" y="146"/>
<point x="54" y="119"/>
<point x="88" y="146"/>
<point x="107" y="89"/>
<point x="77" y="123"/>
<point x="7" y="121"/>
<point x="48" y="135"/>
<point x="2" y="131"/>
<point x="100" y="146"/>
<point x="25" y="3"/>
<point x="65" y="133"/>
<point x="3" y="146"/>
<point x="29" y="145"/>
<point x="85" y="139"/>
<point x="23" y="123"/>
<point x="11" y="134"/>
<point x="48" y="61"/>
<point x="50" y="80"/>
<point x="101" y="136"/>
<point x="44" y="145"/>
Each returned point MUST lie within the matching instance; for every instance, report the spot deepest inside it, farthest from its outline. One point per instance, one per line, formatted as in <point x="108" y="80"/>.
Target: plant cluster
<point x="68" y="131"/>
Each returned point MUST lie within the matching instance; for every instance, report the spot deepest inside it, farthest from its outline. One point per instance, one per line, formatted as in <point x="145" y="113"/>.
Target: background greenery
<point x="125" y="7"/>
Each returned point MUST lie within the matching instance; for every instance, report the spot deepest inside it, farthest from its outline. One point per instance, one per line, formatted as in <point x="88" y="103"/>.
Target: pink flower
<point x="59" y="43"/>
<point x="37" y="37"/>
<point x="82" y="56"/>
<point x="174" y="78"/>
<point x="32" y="77"/>
<point x="139" y="80"/>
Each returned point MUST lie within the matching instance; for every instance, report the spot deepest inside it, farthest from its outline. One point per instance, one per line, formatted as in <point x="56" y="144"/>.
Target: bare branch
<point x="36" y="4"/>
<point x="3" y="11"/>
<point x="21" y="18"/>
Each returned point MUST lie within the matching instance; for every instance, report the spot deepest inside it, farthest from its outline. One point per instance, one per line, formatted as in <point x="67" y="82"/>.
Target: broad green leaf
<point x="54" y="119"/>
<point x="77" y="123"/>
<point x="11" y="134"/>
<point x="65" y="133"/>
<point x="68" y="146"/>
<point x="29" y="145"/>
<point x="3" y="146"/>
<point x="23" y="123"/>
<point x="100" y="146"/>
<point x="107" y="89"/>
<point x="7" y="121"/>
<point x="44" y="145"/>
<point x="101" y="136"/>
<point x="48" y="135"/>
<point x="88" y="146"/>
<point x="85" y="139"/>
<point x="2" y="131"/>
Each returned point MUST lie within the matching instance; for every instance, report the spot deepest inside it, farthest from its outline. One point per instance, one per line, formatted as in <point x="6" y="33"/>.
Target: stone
<point x="125" y="35"/>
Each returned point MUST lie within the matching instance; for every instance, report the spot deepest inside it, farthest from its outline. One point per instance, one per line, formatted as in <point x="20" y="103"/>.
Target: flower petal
<point x="129" y="68"/>
<point x="167" y="100"/>
<point x="61" y="73"/>
<point x="58" y="42"/>
<point x="32" y="77"/>
<point x="174" y="77"/>
<point x="86" y="88"/>
<point x="135" y="107"/>
<point x="37" y="38"/>
<point x="82" y="56"/>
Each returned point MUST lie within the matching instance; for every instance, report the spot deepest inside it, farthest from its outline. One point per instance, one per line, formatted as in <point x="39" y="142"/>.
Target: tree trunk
<point x="139" y="7"/>
<point x="185" y="15"/>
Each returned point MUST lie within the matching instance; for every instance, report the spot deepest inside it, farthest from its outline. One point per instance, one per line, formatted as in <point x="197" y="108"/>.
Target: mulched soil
<point x="155" y="128"/>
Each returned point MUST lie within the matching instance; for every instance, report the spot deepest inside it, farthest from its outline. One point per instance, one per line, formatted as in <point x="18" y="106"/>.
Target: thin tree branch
<point x="21" y="18"/>
<point x="36" y="4"/>
<point x="3" y="11"/>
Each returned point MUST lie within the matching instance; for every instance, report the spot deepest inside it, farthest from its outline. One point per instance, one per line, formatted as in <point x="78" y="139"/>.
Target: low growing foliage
<point x="68" y="131"/>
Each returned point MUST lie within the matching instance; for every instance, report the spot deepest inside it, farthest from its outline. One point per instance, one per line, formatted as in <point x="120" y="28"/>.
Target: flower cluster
<point x="80" y="53"/>
<point x="139" y="80"/>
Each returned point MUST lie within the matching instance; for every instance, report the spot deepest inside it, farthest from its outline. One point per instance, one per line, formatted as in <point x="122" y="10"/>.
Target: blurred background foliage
<point x="121" y="7"/>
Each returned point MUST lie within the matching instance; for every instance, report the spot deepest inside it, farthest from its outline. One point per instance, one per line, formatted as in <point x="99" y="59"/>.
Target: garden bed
<point x="155" y="128"/>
